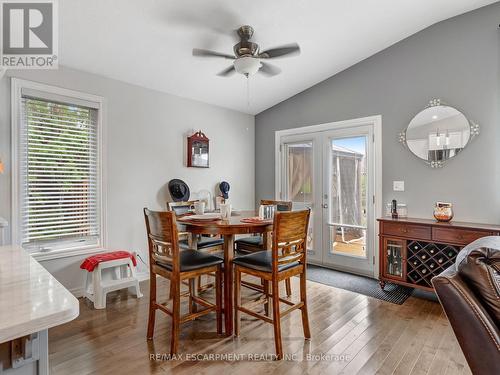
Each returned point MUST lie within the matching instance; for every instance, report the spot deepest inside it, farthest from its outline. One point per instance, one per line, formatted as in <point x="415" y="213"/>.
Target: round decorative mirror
<point x="438" y="133"/>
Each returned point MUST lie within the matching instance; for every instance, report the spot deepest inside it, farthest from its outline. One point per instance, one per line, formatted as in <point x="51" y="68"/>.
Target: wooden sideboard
<point x="413" y="251"/>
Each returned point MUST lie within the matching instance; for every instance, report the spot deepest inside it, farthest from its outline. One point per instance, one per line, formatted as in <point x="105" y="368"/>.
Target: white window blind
<point x="59" y="179"/>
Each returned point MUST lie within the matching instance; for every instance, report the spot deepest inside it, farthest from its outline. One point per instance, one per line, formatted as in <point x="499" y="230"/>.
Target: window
<point x="58" y="184"/>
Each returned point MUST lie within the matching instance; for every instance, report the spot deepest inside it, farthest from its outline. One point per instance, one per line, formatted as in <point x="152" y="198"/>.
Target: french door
<point x="332" y="170"/>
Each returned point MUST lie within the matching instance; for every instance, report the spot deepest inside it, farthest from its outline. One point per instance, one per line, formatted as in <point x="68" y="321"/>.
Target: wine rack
<point x="413" y="251"/>
<point x="426" y="260"/>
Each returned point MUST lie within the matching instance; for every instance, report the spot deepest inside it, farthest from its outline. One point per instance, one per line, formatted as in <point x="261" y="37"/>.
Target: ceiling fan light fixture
<point x="247" y="65"/>
<point x="248" y="58"/>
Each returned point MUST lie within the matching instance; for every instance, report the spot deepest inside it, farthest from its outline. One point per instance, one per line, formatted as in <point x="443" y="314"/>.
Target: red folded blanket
<point x="91" y="262"/>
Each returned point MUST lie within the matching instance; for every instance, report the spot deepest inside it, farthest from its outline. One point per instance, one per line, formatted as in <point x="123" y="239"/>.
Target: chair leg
<point x="191" y="303"/>
<point x="288" y="287"/>
<point x="237" y="300"/>
<point x="218" y="298"/>
<point x="267" y="305"/>
<point x="176" y="317"/>
<point x="303" y="298"/>
<point x="199" y="284"/>
<point x="277" y="320"/>
<point x="152" y="306"/>
<point x="171" y="290"/>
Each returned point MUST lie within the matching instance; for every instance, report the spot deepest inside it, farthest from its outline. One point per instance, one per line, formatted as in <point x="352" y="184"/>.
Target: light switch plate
<point x="398" y="185"/>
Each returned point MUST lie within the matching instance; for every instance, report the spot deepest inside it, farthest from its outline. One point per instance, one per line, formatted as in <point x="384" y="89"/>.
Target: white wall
<point x="145" y="147"/>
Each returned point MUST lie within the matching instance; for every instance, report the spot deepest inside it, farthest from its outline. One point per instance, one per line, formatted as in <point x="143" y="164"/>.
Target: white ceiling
<point x="149" y="42"/>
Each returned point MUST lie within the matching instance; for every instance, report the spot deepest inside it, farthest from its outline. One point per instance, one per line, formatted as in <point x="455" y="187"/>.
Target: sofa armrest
<point x="476" y="332"/>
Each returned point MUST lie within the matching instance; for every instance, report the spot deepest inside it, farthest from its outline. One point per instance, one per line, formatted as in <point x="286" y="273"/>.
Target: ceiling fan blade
<point x="269" y="70"/>
<point x="207" y="53"/>
<point x="286" y="50"/>
<point x="229" y="71"/>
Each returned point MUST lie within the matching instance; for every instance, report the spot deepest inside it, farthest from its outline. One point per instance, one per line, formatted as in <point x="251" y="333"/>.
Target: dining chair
<point x="167" y="261"/>
<point x="256" y="243"/>
<point x="286" y="259"/>
<point x="253" y="244"/>
<point x="210" y="244"/>
<point x="181" y="208"/>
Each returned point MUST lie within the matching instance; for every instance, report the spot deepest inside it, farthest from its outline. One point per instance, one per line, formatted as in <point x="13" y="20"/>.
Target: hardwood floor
<point x="351" y="334"/>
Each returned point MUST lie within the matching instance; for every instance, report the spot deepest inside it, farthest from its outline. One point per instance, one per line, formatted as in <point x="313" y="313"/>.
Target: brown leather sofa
<point x="470" y="295"/>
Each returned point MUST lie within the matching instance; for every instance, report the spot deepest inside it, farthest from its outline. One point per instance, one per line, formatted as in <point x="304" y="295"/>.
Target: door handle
<point x="325" y="205"/>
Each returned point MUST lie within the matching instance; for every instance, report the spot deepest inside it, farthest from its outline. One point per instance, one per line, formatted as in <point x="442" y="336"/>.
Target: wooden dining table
<point x="228" y="229"/>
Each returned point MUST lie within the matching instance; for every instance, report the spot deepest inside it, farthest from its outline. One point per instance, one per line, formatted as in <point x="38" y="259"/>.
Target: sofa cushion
<point x="481" y="271"/>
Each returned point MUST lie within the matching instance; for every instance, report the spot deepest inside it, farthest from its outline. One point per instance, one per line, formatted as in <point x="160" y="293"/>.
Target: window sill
<point x="66" y="253"/>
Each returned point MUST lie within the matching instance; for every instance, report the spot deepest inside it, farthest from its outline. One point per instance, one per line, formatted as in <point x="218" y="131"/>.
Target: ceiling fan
<point x="247" y="57"/>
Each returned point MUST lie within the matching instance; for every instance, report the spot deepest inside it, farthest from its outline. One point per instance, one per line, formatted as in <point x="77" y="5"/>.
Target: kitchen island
<point x="31" y="302"/>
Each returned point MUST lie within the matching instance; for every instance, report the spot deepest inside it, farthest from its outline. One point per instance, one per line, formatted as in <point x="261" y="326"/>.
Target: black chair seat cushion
<point x="261" y="261"/>
<point x="203" y="243"/>
<point x="191" y="260"/>
<point x="256" y="241"/>
<point x="218" y="254"/>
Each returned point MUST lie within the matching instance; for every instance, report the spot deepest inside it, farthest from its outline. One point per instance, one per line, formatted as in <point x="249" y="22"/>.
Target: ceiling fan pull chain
<point x="248" y="91"/>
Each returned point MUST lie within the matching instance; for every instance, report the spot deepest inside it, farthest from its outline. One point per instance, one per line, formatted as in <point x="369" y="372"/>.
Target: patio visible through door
<point x="332" y="169"/>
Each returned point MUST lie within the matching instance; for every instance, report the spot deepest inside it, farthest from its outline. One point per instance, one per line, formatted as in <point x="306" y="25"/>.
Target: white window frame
<point x="17" y="85"/>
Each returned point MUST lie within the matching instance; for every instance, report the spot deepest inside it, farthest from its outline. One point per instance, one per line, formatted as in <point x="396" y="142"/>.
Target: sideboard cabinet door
<point x="394" y="258"/>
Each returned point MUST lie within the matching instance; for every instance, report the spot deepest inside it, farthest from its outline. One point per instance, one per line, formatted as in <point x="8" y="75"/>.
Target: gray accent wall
<point x="456" y="60"/>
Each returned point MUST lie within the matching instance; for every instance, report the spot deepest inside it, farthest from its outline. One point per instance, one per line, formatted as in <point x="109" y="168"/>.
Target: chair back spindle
<point x="290" y="237"/>
<point x="162" y="238"/>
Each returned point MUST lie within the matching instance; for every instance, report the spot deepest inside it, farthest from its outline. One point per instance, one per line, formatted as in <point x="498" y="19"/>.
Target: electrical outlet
<point x="398" y="185"/>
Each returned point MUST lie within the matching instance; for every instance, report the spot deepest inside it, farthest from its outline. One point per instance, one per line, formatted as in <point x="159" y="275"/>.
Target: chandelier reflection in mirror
<point x="438" y="133"/>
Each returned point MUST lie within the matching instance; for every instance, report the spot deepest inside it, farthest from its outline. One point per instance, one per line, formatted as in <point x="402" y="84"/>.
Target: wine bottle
<point x="394" y="209"/>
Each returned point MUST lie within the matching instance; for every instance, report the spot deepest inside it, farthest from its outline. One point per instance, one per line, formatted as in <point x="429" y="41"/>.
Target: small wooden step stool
<point x="108" y="276"/>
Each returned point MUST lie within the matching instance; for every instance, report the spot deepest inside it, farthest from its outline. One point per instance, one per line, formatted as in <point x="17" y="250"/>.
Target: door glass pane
<point x="348" y="241"/>
<point x="394" y="258"/>
<point x="299" y="160"/>
<point x="299" y="172"/>
<point x="348" y="195"/>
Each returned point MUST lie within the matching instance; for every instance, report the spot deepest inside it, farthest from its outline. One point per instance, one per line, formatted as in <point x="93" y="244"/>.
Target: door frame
<point x="376" y="123"/>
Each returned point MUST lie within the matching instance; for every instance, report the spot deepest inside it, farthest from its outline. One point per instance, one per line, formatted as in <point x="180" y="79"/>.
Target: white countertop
<point x="31" y="299"/>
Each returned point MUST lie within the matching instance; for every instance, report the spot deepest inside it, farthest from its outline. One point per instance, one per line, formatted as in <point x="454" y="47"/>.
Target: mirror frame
<point x="474" y="132"/>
